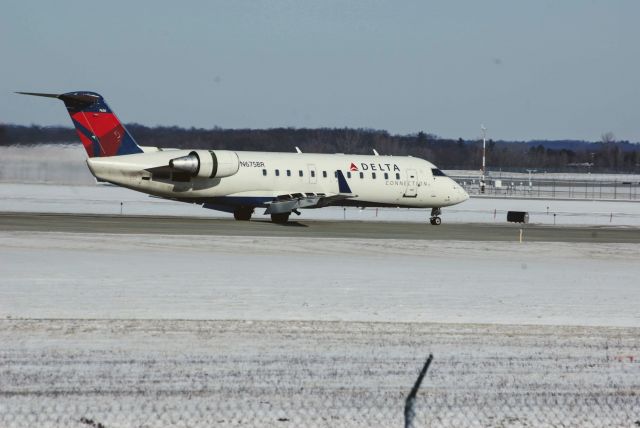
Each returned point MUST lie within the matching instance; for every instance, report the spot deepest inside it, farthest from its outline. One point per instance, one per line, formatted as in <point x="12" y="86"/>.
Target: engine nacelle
<point x="207" y="163"/>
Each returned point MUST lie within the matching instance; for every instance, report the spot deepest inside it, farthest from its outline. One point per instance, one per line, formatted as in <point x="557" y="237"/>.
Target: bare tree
<point x="608" y="137"/>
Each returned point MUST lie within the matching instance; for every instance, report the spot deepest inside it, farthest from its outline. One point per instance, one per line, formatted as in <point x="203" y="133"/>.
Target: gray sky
<point x="527" y="70"/>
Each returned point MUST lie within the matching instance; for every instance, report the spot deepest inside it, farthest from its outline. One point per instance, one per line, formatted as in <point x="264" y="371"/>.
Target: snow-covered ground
<point x="159" y="331"/>
<point x="45" y="163"/>
<point x="58" y="275"/>
<point x="151" y="373"/>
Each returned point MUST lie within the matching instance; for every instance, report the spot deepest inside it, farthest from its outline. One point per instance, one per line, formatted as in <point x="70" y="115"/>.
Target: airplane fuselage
<point x="262" y="176"/>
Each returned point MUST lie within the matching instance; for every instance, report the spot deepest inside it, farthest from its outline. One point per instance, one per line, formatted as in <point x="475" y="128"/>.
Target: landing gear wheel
<point x="280" y="218"/>
<point x="435" y="220"/>
<point x="243" y="213"/>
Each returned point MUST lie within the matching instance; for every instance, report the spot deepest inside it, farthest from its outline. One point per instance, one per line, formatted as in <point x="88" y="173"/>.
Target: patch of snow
<point x="58" y="275"/>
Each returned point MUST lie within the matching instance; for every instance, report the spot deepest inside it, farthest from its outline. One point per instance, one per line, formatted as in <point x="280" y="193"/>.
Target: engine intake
<point x="207" y="164"/>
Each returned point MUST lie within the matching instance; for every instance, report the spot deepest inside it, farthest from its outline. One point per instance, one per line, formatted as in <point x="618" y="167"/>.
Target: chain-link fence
<point x="588" y="409"/>
<point x="431" y="408"/>
<point x="567" y="188"/>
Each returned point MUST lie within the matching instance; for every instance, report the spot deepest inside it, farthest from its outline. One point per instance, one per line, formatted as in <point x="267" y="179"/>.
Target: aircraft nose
<point x="463" y="195"/>
<point x="459" y="194"/>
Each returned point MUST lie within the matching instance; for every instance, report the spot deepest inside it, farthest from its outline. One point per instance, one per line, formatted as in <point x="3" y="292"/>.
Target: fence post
<point x="409" y="412"/>
<point x="586" y="189"/>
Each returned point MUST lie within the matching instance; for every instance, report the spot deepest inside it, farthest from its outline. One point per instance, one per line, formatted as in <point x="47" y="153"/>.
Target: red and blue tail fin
<point x="98" y="127"/>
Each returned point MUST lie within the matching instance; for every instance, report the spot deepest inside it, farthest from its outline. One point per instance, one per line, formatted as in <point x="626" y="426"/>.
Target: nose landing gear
<point x="435" y="219"/>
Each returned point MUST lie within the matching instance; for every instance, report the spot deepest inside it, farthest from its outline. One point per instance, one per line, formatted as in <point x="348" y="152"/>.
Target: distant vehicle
<point x="238" y="182"/>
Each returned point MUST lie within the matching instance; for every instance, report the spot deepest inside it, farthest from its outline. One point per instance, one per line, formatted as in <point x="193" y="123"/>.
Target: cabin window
<point x="397" y="176"/>
<point x="373" y="175"/>
<point x="277" y="173"/>
<point x="437" y="173"/>
<point x="288" y="173"/>
<point x="313" y="173"/>
<point x="300" y="173"/>
<point x="335" y="174"/>
<point x="386" y="175"/>
<point x="362" y="175"/>
<point x="348" y="174"/>
<point x="324" y="174"/>
<point x="264" y="172"/>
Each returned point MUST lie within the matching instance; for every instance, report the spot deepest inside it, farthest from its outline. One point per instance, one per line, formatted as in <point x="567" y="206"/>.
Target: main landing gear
<point x="243" y="213"/>
<point x="435" y="219"/>
<point x="280" y="218"/>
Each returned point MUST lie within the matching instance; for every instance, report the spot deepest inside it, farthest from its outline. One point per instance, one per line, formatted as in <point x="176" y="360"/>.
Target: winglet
<point x="343" y="187"/>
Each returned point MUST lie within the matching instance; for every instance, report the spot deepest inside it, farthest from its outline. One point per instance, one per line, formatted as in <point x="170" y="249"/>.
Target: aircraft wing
<point x="293" y="201"/>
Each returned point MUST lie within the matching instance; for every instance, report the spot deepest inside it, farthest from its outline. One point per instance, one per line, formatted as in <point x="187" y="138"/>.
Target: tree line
<point x="606" y="155"/>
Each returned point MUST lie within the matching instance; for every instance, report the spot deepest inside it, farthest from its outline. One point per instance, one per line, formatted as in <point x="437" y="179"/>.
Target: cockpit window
<point x="437" y="173"/>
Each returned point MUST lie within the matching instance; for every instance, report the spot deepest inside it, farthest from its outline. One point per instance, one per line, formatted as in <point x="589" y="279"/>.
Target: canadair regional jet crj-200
<point x="239" y="182"/>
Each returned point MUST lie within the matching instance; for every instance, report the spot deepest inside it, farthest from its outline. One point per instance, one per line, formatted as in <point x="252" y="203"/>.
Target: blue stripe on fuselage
<point x="247" y="201"/>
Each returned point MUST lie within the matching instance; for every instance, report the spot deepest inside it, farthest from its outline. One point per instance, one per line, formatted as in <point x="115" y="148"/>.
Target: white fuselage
<point x="263" y="176"/>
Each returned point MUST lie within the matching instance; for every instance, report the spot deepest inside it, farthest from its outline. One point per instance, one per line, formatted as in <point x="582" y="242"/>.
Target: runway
<point x="170" y="225"/>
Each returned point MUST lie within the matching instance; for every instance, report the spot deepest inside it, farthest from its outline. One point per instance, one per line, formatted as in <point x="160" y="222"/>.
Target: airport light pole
<point x="530" y="171"/>
<point x="484" y="149"/>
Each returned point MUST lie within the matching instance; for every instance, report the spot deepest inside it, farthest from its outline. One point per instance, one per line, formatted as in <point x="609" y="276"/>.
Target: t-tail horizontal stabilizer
<point x="99" y="129"/>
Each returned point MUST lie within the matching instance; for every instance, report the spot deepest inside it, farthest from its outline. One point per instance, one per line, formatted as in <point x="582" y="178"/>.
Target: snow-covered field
<point x="59" y="275"/>
<point x="45" y="163"/>
<point x="150" y="373"/>
<point x="154" y="331"/>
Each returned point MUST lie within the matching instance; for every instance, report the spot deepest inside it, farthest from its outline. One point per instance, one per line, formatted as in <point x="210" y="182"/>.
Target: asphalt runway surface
<point x="124" y="224"/>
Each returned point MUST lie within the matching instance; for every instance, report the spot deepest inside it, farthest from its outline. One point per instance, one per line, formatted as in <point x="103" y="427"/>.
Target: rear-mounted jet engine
<point x="207" y="164"/>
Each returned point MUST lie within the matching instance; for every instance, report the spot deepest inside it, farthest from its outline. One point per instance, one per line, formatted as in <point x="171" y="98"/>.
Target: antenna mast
<point x="484" y="150"/>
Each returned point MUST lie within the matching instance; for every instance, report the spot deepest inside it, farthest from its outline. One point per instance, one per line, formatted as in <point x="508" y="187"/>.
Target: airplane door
<point x="312" y="173"/>
<point x="412" y="184"/>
